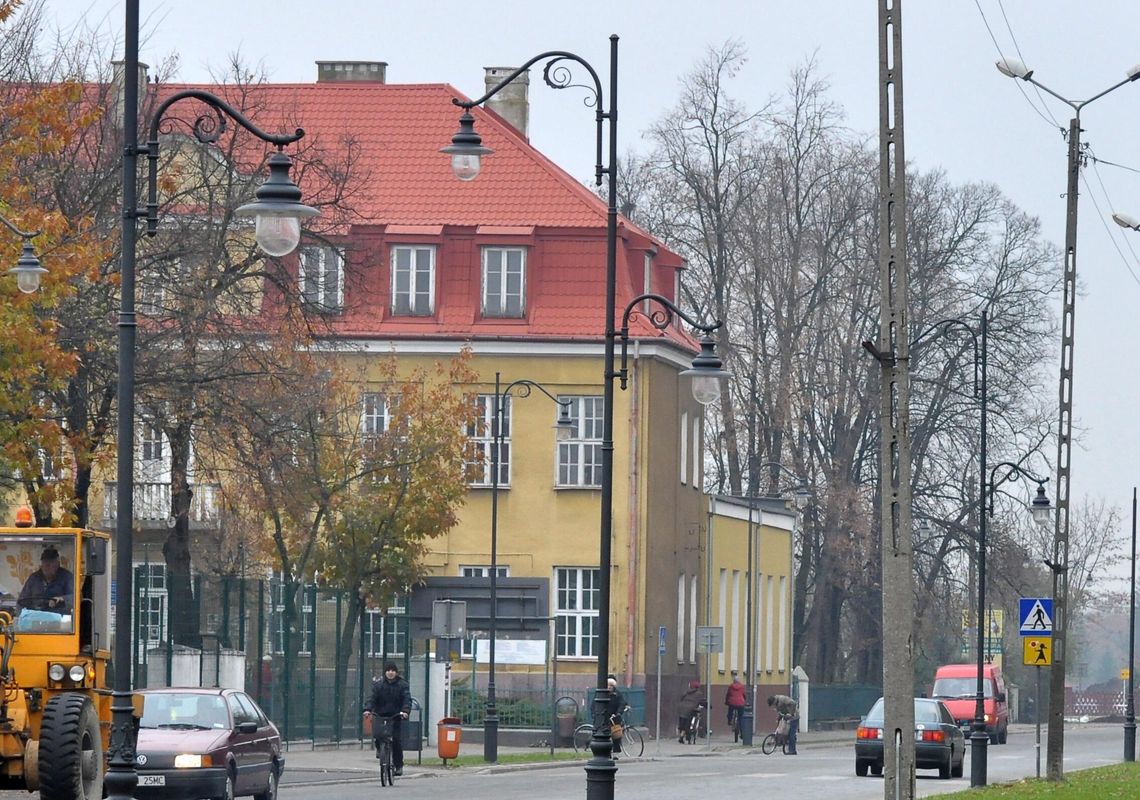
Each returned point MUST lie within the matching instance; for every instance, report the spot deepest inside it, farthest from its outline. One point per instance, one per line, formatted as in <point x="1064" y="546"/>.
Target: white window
<point x="735" y="645"/>
<point x="681" y="618"/>
<point x="151" y="436"/>
<point x="697" y="452"/>
<point x="413" y="280"/>
<point x="771" y="626"/>
<point x="383" y="635"/>
<point x="321" y="275"/>
<point x="52" y="465"/>
<point x="580" y="457"/>
<point x="684" y="446"/>
<point x="576" y="612"/>
<point x="301" y="639"/>
<point x="723" y="609"/>
<point x="374" y="414"/>
<point x="481" y="441"/>
<point x="504" y="273"/>
<point x="150" y="611"/>
<point x="693" y="617"/>
<point x="782" y="657"/>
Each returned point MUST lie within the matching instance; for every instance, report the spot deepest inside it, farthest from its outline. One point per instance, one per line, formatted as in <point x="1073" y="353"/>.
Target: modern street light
<point x="278" y="211"/>
<point x="800" y="495"/>
<point x="466" y="152"/>
<point x="28" y="269"/>
<point x="1055" y="750"/>
<point x="563" y="428"/>
<point x="979" y="739"/>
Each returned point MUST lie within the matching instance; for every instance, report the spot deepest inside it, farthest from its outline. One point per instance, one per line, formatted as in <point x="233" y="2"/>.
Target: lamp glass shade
<point x="1041" y="509"/>
<point x="277" y="234"/>
<point x="466" y="166"/>
<point x="801" y="496"/>
<point x="706" y="388"/>
<point x="27" y="281"/>
<point x="28" y="270"/>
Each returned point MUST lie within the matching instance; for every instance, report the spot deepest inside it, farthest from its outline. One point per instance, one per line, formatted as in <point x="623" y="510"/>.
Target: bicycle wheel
<point x="632" y="744"/>
<point x="768" y="746"/>
<point x="582" y="735"/>
<point x="385" y="763"/>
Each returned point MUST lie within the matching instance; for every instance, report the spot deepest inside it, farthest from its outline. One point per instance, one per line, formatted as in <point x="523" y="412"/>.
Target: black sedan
<point x="938" y="741"/>
<point x="202" y="742"/>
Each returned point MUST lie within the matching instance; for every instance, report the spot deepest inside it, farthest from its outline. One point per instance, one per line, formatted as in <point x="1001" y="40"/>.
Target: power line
<point x="1111" y="237"/>
<point x="1017" y="47"/>
<point x="1020" y="88"/>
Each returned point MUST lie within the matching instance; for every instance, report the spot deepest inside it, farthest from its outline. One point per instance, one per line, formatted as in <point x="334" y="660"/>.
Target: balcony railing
<point x="152" y="502"/>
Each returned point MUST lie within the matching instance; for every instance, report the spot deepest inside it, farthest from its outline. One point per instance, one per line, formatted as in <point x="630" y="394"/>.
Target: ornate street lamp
<point x="563" y="429"/>
<point x="1055" y="748"/>
<point x="28" y="269"/>
<point x="278" y="210"/>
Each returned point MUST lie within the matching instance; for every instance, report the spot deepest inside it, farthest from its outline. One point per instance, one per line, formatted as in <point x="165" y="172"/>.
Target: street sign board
<point x="662" y="633"/>
<point x="1037" y="651"/>
<point x="1036" y="615"/>
<point x="710" y="639"/>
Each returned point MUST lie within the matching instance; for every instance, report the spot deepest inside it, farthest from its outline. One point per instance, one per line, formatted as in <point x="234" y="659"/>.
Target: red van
<point x="956" y="685"/>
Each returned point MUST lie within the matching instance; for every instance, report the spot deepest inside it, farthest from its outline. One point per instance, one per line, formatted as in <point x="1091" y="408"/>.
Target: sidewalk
<point x="302" y="761"/>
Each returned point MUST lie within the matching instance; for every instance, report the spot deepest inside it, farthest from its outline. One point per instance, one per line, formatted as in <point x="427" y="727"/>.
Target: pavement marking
<point x="765" y="775"/>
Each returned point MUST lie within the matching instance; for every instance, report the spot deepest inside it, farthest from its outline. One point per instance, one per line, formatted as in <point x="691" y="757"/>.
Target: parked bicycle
<point x="632" y="739"/>
<point x="777" y="738"/>
<point x="696" y="727"/>
<point x="382" y="730"/>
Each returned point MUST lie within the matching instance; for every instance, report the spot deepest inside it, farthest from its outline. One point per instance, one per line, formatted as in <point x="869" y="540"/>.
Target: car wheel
<point x="1003" y="737"/>
<point x="877" y="770"/>
<point x="71" y="749"/>
<point x="270" y="792"/>
<point x="861" y="767"/>
<point x="944" y="769"/>
<point x="956" y="770"/>
<point x="229" y="790"/>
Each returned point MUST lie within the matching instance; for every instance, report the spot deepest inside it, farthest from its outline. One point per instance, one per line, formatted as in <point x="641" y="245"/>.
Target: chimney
<point x="511" y="103"/>
<point x="351" y="71"/>
<point x="117" y="88"/>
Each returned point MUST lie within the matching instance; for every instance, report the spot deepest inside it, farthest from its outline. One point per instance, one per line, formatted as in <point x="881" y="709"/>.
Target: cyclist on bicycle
<point x="391" y="697"/>
<point x="734" y="699"/>
<point x="788" y="708"/>
<point x="687" y="706"/>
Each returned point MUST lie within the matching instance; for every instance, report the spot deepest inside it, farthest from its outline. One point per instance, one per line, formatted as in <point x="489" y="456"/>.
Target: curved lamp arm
<point x="28" y="270"/>
<point x="277" y="197"/>
<point x="658" y="318"/>
<point x="945" y="326"/>
<point x="1013" y="471"/>
<point x="22" y="234"/>
<point x="557" y="75"/>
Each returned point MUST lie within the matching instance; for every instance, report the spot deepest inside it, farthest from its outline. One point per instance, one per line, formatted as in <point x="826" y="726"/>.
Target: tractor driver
<point x="50" y="588"/>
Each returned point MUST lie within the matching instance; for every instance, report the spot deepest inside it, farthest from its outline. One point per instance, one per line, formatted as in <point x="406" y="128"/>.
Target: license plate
<point x="152" y="780"/>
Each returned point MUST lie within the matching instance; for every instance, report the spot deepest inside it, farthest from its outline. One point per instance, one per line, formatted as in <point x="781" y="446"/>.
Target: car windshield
<point x="925" y="712"/>
<point x="955" y="688"/>
<point x="184" y="710"/>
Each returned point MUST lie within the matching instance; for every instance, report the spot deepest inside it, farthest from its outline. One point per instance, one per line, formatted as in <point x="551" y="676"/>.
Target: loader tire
<point x="71" y="750"/>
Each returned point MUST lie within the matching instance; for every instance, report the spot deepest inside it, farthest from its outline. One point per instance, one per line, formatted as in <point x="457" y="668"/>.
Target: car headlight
<point x="56" y="672"/>
<point x="191" y="761"/>
<point x="77" y="673"/>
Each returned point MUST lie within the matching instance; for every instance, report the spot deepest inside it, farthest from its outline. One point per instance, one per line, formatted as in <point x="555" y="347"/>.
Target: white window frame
<point x="150" y="442"/>
<point x="378" y="635"/>
<point x="723" y="615"/>
<point x="375" y="415"/>
<point x="693" y="617"/>
<point x="414" y="269"/>
<point x="684" y="447"/>
<point x="497" y="304"/>
<point x="577" y="617"/>
<point x="696" y="451"/>
<point x="306" y="622"/>
<point x="481" y="440"/>
<point x="579" y="462"/>
<point x="150" y="616"/>
<point x="681" y="618"/>
<point x="314" y="266"/>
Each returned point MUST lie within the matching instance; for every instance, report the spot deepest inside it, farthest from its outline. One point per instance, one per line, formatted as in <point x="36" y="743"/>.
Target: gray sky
<point x="961" y="114"/>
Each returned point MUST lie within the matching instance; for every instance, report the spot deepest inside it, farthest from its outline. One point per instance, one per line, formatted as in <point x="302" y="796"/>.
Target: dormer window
<point x="504" y="272"/>
<point x="321" y="276"/>
<point x="413" y="280"/>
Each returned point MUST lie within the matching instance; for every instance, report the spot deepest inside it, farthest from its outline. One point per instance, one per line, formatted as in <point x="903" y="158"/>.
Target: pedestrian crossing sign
<point x="1036" y="615"/>
<point x="1038" y="651"/>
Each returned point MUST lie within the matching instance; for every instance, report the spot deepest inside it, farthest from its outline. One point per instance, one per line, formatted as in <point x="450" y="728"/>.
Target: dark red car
<point x="202" y="742"/>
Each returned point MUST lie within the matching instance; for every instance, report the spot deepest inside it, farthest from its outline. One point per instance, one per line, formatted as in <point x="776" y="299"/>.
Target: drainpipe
<point x="633" y="578"/>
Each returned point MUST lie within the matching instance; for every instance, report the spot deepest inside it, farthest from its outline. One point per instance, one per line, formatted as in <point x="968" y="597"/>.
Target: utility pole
<point x="893" y="354"/>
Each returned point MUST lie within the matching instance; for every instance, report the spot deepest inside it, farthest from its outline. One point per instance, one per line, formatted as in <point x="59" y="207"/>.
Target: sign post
<point x="710" y="639"/>
<point x="1035" y="615"/>
<point x="662" y="634"/>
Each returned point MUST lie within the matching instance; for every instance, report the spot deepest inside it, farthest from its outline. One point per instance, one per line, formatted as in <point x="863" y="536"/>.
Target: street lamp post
<point x="466" y="151"/>
<point x="1055" y="749"/>
<point x="1130" y="686"/>
<point x="563" y="428"/>
<point x="28" y="269"/>
<point x="278" y="211"/>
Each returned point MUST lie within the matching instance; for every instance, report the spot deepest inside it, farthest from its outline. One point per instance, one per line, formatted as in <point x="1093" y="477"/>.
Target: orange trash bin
<point x="448" y="734"/>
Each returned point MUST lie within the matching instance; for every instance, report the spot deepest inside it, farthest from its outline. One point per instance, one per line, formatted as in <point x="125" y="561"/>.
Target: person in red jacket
<point x="734" y="698"/>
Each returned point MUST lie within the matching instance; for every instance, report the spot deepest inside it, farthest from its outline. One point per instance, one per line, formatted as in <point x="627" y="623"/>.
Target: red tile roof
<point x="405" y="186"/>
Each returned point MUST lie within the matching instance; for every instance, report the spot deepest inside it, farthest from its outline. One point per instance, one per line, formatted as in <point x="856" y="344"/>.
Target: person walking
<point x="614" y="708"/>
<point x="788" y="708"/>
<point x="391" y="697"/>
<point x="734" y="698"/>
<point x="690" y="701"/>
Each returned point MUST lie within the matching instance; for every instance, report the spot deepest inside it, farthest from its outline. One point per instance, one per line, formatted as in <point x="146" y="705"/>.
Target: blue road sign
<point x="661" y="634"/>
<point x="1036" y="615"/>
